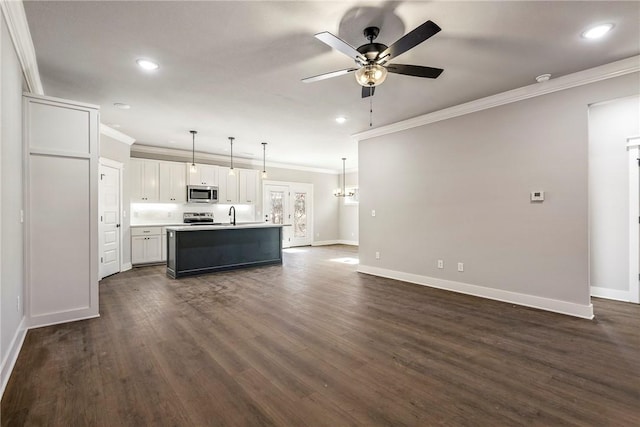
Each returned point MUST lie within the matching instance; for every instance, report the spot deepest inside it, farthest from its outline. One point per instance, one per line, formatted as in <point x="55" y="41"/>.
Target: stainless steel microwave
<point x="202" y="194"/>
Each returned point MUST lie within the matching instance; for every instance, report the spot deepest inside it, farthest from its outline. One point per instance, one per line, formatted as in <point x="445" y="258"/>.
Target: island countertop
<point x="211" y="227"/>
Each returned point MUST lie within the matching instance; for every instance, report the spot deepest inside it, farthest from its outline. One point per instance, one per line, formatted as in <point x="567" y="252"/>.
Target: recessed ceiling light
<point x="597" y="31"/>
<point x="148" y="65"/>
<point x="122" y="106"/>
<point x="341" y="119"/>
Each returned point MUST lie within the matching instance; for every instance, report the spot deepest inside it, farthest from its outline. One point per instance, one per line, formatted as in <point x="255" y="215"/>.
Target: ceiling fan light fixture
<point x="371" y="75"/>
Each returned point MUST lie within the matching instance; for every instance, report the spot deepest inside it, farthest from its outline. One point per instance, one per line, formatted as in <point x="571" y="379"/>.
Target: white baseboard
<point x="325" y="242"/>
<point x="548" y="304"/>
<point x="335" y="242"/>
<point x="126" y="267"/>
<point x="12" y="355"/>
<point x="614" y="294"/>
<point x="58" y="318"/>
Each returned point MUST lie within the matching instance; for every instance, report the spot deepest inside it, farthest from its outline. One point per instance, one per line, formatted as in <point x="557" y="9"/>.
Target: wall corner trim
<point x="12" y="355"/>
<point x="116" y="134"/>
<point x="580" y="78"/>
<point x="13" y="11"/>
<point x="542" y="303"/>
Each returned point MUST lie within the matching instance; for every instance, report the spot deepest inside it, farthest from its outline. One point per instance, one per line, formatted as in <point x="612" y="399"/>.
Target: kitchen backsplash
<point x="164" y="213"/>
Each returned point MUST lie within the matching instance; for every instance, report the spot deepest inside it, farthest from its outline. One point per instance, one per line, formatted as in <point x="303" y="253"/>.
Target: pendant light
<point x="231" y="171"/>
<point x="193" y="169"/>
<point x="264" y="164"/>
<point x="341" y="192"/>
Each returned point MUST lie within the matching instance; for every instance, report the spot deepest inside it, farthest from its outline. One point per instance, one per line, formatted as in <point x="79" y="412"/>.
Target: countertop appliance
<point x="202" y="194"/>
<point x="198" y="218"/>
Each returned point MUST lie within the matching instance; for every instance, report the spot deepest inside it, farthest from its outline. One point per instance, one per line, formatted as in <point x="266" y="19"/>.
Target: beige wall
<point x="11" y="201"/>
<point x="121" y="152"/>
<point x="458" y="190"/>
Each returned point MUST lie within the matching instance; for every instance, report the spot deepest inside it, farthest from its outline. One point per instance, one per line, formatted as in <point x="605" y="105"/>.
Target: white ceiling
<point x="234" y="68"/>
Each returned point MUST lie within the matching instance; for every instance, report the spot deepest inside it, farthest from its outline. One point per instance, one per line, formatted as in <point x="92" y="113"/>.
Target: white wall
<point x="348" y="214"/>
<point x="11" y="201"/>
<point x="120" y="152"/>
<point x="610" y="124"/>
<point x="458" y="190"/>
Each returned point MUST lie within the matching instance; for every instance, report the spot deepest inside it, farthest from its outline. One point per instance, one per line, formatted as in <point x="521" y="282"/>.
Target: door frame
<point x="633" y="150"/>
<point x="103" y="161"/>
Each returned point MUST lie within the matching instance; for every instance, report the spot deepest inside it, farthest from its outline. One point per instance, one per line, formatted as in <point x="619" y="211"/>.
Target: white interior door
<point x="301" y="200"/>
<point x="276" y="209"/>
<point x="109" y="225"/>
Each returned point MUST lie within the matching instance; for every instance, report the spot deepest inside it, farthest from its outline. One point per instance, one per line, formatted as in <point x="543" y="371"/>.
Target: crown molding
<point x="591" y="75"/>
<point x="138" y="150"/>
<point x="116" y="134"/>
<point x="13" y="12"/>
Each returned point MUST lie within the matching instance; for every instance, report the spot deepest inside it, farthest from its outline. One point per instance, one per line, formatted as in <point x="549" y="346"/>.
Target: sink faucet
<point x="232" y="221"/>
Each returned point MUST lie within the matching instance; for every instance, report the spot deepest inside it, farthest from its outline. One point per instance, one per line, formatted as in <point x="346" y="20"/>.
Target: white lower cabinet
<point x="164" y="245"/>
<point x="146" y="245"/>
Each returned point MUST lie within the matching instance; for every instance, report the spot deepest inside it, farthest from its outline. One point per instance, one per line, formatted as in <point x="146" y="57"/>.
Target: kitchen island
<point x="200" y="249"/>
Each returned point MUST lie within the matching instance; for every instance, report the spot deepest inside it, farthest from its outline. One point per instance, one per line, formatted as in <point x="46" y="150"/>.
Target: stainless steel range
<point x="198" y="218"/>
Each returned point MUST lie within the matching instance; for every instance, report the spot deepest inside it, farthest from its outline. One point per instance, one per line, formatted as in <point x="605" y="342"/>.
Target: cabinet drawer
<point x="146" y="231"/>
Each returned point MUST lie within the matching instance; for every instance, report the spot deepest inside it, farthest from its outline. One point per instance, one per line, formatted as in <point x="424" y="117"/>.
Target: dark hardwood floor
<point x="314" y="343"/>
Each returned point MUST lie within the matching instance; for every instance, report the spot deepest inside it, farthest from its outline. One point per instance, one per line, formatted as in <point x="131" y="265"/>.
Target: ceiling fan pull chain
<point x="370" y="106"/>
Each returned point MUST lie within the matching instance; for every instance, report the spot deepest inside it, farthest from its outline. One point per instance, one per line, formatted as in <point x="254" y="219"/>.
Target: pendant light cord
<point x="231" y="141"/>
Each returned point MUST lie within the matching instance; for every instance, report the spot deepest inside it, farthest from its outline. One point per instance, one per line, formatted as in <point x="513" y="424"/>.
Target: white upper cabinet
<point x="247" y="186"/>
<point x="204" y="174"/>
<point x="144" y="180"/>
<point x="227" y="186"/>
<point x="173" y="182"/>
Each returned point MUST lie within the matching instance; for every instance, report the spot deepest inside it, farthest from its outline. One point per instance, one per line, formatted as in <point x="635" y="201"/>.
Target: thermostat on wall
<point x="537" y="196"/>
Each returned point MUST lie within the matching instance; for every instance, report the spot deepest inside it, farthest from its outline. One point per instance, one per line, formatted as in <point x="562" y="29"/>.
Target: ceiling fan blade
<point x="328" y="75"/>
<point x="414" y="70"/>
<point x="340" y="45"/>
<point x="368" y="91"/>
<point x="409" y="41"/>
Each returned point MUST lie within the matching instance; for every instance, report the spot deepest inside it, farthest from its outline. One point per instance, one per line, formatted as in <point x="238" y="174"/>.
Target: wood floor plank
<point x="314" y="343"/>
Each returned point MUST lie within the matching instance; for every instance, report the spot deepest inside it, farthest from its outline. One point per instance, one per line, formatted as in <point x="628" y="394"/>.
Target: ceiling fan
<point x="372" y="59"/>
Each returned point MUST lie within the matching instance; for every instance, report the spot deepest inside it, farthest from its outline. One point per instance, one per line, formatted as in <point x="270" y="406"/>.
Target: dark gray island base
<point x="204" y="249"/>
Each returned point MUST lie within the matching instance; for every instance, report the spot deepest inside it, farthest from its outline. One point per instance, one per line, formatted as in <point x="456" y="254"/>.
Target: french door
<point x="290" y="204"/>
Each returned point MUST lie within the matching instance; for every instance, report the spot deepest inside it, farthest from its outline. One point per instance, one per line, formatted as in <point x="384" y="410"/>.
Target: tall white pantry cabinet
<point x="61" y="149"/>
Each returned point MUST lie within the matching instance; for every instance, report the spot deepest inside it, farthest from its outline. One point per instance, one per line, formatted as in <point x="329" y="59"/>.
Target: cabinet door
<point x="209" y="175"/>
<point x="153" y="248"/>
<point x="150" y="181"/>
<point x="248" y="186"/>
<point x="138" y="249"/>
<point x="163" y="250"/>
<point x="227" y="186"/>
<point x="137" y="180"/>
<point x="144" y="180"/>
<point x="204" y="175"/>
<point x="173" y="186"/>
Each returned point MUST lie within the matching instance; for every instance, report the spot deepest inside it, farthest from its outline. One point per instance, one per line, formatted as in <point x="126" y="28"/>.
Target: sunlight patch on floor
<point x="347" y="260"/>
<point x="294" y="250"/>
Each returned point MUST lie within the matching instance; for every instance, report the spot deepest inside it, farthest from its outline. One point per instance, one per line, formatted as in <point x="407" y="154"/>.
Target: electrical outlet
<point x="460" y="266"/>
<point x="317" y="234"/>
<point x="377" y="255"/>
<point x="373" y="212"/>
<point x="440" y="263"/>
<point x="169" y="214"/>
<point x="21" y="216"/>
